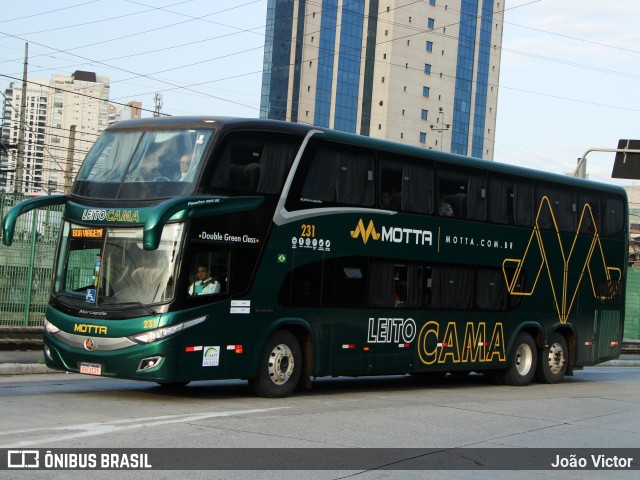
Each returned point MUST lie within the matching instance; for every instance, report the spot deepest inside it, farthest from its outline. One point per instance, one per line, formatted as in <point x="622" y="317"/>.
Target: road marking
<point x="114" y="426"/>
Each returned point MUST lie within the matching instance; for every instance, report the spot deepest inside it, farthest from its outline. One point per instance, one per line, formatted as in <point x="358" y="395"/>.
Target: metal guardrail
<point x="27" y="266"/>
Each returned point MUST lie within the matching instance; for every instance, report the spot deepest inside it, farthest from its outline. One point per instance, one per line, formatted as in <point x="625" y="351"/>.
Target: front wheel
<point x="522" y="362"/>
<point x="280" y="366"/>
<point x="552" y="363"/>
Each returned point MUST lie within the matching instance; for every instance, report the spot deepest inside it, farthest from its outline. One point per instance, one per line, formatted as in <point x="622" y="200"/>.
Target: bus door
<point x="305" y="288"/>
<point x="393" y="291"/>
<point x="372" y="328"/>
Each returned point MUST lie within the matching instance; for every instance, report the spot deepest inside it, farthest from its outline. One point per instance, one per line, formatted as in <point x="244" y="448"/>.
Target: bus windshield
<point x="108" y="266"/>
<point x="142" y="164"/>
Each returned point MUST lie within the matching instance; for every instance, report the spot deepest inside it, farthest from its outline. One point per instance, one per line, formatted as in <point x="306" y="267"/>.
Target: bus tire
<point x="552" y="361"/>
<point x="280" y="366"/>
<point x="522" y="362"/>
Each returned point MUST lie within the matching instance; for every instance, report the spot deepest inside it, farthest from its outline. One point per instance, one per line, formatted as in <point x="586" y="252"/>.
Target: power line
<point x="48" y="12"/>
<point x="422" y="31"/>
<point x="592" y="42"/>
<point x="244" y="51"/>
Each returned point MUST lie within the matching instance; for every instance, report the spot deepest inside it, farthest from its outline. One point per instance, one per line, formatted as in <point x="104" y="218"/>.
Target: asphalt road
<point x="597" y="408"/>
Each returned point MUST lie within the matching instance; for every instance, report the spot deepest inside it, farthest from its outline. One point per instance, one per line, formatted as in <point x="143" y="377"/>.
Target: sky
<point x="569" y="75"/>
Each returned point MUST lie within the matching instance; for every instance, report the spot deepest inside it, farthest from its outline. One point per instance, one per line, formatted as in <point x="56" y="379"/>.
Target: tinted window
<point x="462" y="194"/>
<point x="334" y="174"/>
<point x="614" y="216"/>
<point x="394" y="284"/>
<point x="450" y="287"/>
<point x="510" y="201"/>
<point x="491" y="290"/>
<point x="254" y="162"/>
<point x="590" y="213"/>
<point x="350" y="286"/>
<point x="303" y="286"/>
<point x="557" y="207"/>
<point x="405" y="185"/>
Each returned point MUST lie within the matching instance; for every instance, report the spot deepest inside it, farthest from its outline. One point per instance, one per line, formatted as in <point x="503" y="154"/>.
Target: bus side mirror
<point x="10" y="219"/>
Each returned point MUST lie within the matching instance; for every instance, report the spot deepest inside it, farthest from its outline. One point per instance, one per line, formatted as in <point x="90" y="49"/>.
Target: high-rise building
<point x="62" y="121"/>
<point x="118" y="112"/>
<point x="34" y="135"/>
<point x="420" y="72"/>
<point x="79" y="112"/>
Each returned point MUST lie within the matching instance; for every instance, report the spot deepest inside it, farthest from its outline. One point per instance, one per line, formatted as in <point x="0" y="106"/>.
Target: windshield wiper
<point x="138" y="304"/>
<point x="80" y="299"/>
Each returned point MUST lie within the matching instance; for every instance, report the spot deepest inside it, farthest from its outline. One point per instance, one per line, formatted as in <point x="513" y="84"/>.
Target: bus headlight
<point x="50" y="327"/>
<point x="165" y="332"/>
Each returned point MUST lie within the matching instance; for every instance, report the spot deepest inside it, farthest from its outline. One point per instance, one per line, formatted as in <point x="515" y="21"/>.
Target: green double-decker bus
<point x="203" y="248"/>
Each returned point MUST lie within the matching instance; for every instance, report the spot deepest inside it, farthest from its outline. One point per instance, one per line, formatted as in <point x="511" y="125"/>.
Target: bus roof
<point x="226" y="124"/>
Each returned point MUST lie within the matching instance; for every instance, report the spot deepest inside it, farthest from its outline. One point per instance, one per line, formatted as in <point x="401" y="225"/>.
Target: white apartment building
<point x="78" y="113"/>
<point x="424" y="73"/>
<point x="34" y="135"/>
<point x="68" y="111"/>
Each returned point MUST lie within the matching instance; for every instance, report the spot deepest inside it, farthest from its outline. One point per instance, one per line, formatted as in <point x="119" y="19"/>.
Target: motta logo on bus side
<point x="407" y="236"/>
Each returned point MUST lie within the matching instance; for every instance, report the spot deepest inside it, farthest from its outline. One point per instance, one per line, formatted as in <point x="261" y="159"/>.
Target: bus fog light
<point x="47" y="352"/>
<point x="150" y="362"/>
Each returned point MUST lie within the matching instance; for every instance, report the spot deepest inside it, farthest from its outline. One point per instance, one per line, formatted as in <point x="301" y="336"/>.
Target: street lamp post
<point x="443" y="128"/>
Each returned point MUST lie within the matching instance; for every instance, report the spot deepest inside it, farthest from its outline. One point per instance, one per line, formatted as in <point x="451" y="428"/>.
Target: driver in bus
<point x="161" y="162"/>
<point x="205" y="284"/>
<point x="185" y="163"/>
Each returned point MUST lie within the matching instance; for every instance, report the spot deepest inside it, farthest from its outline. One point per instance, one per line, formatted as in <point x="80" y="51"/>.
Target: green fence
<point x="26" y="267"/>
<point x="632" y="307"/>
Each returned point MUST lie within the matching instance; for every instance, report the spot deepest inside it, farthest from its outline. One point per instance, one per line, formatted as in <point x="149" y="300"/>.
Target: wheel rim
<point x="524" y="359"/>
<point x="281" y="364"/>
<point x="556" y="358"/>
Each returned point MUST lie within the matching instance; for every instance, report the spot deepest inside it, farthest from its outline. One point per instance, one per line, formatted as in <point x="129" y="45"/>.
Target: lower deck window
<point x="359" y="282"/>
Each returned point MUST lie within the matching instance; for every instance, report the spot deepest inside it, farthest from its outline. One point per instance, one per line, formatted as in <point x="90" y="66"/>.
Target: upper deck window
<point x="511" y="201"/>
<point x="557" y="208"/>
<point x="462" y="193"/>
<point x="404" y="184"/>
<point x="254" y="162"/>
<point x="332" y="173"/>
<point x="142" y="164"/>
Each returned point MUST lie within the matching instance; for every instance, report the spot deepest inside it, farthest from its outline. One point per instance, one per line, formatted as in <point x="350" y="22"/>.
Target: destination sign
<point x="87" y="232"/>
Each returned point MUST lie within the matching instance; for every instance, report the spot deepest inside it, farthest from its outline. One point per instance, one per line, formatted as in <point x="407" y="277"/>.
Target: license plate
<point x="91" y="368"/>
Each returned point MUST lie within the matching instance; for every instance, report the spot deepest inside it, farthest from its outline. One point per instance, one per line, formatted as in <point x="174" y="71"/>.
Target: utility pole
<point x="69" y="167"/>
<point x="17" y="184"/>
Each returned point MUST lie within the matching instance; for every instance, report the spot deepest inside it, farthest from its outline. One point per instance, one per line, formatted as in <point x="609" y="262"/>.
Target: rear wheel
<point x="280" y="366"/>
<point x="552" y="364"/>
<point x="522" y="362"/>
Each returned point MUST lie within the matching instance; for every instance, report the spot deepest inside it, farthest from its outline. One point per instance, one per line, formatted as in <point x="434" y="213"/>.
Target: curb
<point x="620" y="363"/>
<point x="25" y="369"/>
<point x="7" y="369"/>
